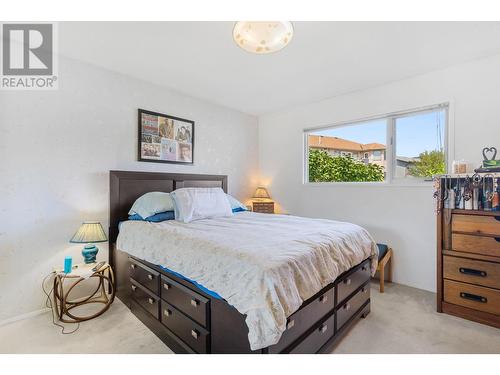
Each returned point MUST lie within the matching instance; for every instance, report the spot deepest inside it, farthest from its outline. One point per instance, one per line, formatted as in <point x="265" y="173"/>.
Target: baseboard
<point x="24" y="316"/>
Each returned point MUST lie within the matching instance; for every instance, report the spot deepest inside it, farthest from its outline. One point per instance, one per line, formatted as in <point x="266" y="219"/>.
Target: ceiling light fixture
<point x="262" y="37"/>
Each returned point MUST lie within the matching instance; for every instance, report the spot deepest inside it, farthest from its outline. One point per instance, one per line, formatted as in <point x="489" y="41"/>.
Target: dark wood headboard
<point x="125" y="187"/>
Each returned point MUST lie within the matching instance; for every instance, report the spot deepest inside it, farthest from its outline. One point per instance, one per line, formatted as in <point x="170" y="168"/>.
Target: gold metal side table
<point x="62" y="302"/>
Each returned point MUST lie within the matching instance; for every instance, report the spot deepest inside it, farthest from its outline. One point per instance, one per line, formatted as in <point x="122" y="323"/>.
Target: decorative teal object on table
<point x="90" y="232"/>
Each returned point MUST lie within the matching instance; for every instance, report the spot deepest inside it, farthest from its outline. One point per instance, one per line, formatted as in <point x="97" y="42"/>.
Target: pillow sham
<point x="152" y="203"/>
<point x="156" y="218"/>
<point x="236" y="205"/>
<point x="200" y="203"/>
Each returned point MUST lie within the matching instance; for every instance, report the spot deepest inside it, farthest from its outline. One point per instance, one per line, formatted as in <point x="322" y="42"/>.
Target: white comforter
<point x="264" y="265"/>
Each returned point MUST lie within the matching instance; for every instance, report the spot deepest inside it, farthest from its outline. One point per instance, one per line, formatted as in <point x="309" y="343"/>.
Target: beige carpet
<point x="403" y="320"/>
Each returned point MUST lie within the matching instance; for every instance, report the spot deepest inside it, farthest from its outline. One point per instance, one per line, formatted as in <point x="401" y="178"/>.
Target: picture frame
<point x="164" y="139"/>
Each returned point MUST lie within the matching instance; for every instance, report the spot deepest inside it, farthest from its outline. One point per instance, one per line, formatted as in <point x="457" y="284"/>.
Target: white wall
<point x="400" y="216"/>
<point x="56" y="148"/>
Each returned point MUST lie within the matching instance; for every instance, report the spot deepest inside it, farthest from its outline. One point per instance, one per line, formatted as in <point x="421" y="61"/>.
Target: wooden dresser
<point x="468" y="264"/>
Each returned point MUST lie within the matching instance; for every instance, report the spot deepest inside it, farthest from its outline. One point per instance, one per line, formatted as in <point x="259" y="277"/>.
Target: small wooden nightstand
<point x="263" y="207"/>
<point x="62" y="301"/>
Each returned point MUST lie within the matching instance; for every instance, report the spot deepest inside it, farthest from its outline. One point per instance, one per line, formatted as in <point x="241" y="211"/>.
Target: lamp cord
<point x="48" y="303"/>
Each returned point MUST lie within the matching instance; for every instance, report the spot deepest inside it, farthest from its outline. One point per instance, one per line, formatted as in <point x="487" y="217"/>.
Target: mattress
<point x="263" y="265"/>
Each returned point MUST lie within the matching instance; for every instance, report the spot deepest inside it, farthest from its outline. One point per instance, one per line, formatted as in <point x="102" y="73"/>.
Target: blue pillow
<point x="236" y="205"/>
<point x="156" y="218"/>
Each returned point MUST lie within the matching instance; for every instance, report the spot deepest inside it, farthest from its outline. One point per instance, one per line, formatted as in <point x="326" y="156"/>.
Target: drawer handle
<point x="290" y="324"/>
<point x="150" y="277"/>
<point x="364" y="290"/>
<point x="132" y="266"/>
<point x="151" y="301"/>
<point x="167" y="312"/>
<point x="323" y="328"/>
<point x="347" y="281"/>
<point x="497" y="239"/>
<point x="364" y="268"/>
<point x="473" y="297"/>
<point x="194" y="302"/>
<point x="497" y="218"/>
<point x="323" y="298"/>
<point x="346" y="307"/>
<point x="195" y="334"/>
<point x="166" y="286"/>
<point x="472" y="272"/>
<point x="133" y="288"/>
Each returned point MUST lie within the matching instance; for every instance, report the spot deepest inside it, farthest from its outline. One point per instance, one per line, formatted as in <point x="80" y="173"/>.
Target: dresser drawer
<point x="187" y="330"/>
<point x="472" y="296"/>
<point x="476" y="224"/>
<point x="144" y="275"/>
<point x="145" y="298"/>
<point x="352" y="305"/>
<point x="476" y="244"/>
<point x="317" y="338"/>
<point x="263" y="207"/>
<point x="302" y="320"/>
<point x="189" y="302"/>
<point x="353" y="280"/>
<point x="472" y="271"/>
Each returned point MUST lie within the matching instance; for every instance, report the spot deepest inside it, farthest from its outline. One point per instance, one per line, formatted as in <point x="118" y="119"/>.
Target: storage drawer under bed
<point x="144" y="275"/>
<point x="184" y="328"/>
<point x="189" y="302"/>
<point x="353" y="280"/>
<point x="299" y="322"/>
<point x="352" y="305"/>
<point x="317" y="338"/>
<point x="145" y="298"/>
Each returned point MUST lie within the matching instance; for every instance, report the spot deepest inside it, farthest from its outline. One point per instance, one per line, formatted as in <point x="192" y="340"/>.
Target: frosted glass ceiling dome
<point x="262" y="36"/>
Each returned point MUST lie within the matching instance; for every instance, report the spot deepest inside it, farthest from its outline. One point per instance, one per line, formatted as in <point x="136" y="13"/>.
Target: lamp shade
<point x="89" y="232"/>
<point x="261" y="192"/>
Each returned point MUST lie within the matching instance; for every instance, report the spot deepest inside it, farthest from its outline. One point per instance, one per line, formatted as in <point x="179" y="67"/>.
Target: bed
<point x="252" y="283"/>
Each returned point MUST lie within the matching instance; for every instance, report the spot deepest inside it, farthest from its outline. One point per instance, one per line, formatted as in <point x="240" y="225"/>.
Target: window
<point x="406" y="146"/>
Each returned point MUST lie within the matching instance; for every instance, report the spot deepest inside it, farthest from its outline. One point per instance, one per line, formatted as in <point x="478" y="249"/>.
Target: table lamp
<point x="89" y="233"/>
<point x="261" y="194"/>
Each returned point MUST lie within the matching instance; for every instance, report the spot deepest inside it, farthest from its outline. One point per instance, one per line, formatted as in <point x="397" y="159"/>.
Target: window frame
<point x="390" y="154"/>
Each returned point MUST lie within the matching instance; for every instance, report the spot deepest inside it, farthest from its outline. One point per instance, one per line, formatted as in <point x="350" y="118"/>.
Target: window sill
<point x="396" y="184"/>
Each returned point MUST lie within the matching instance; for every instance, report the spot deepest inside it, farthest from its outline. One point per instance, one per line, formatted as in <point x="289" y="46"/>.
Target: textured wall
<point x="402" y="216"/>
<point x="56" y="148"/>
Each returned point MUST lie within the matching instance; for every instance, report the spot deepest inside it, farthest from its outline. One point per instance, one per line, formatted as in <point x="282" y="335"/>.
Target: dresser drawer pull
<point x="473" y="297"/>
<point x="290" y="324"/>
<point x="150" y="277"/>
<point x="364" y="268"/>
<point x="346" y="307"/>
<point x="166" y="286"/>
<point x="195" y="334"/>
<point x="134" y="288"/>
<point x="497" y="239"/>
<point x="167" y="312"/>
<point x="364" y="290"/>
<point x="472" y="272"/>
<point x="323" y="298"/>
<point x="194" y="302"/>
<point x="347" y="281"/>
<point x="151" y="301"/>
<point x="132" y="266"/>
<point x="497" y="218"/>
<point x="323" y="328"/>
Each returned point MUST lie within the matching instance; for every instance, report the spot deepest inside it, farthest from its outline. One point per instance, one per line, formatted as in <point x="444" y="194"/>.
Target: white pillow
<point x="236" y="205"/>
<point x="200" y="203"/>
<point x="152" y="203"/>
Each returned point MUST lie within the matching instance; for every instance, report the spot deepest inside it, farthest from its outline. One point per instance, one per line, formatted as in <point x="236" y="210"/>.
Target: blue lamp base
<point x="89" y="253"/>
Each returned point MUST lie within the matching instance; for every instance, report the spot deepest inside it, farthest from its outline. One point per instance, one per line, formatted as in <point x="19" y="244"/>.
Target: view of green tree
<point x="326" y="168"/>
<point x="430" y="163"/>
